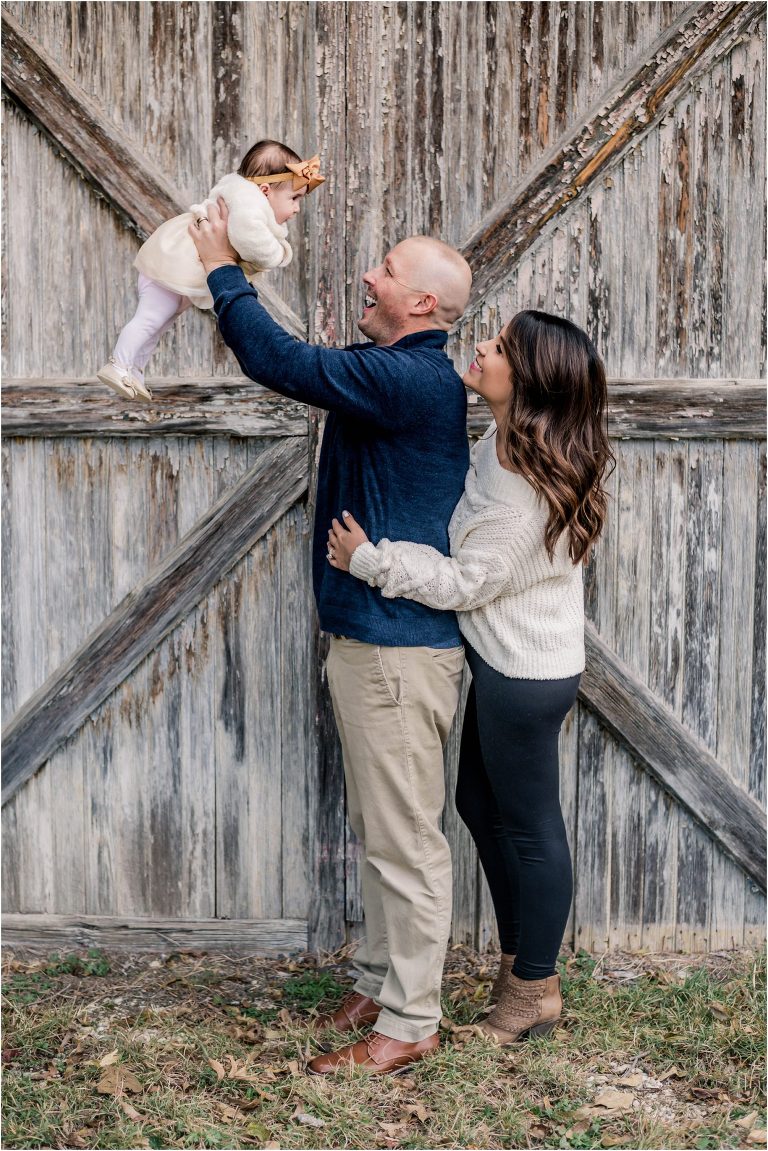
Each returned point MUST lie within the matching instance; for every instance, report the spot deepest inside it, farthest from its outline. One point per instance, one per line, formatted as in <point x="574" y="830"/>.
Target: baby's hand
<point x="211" y="238"/>
<point x="342" y="541"/>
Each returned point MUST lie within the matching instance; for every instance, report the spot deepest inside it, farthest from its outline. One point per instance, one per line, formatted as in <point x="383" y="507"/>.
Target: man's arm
<point x="370" y="384"/>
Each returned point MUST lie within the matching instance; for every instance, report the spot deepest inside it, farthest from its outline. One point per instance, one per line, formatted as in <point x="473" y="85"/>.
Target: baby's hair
<point x="267" y="158"/>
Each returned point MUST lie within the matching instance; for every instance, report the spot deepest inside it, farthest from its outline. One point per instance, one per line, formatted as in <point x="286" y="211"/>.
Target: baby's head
<point x="270" y="159"/>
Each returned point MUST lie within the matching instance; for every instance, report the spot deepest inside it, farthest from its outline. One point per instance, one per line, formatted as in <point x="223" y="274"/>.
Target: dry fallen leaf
<point x="108" y="1060"/>
<point x="243" y="1072"/>
<point x="758" y="1135"/>
<point x="670" y="1073"/>
<point x="719" y="1011"/>
<point x="578" y="1128"/>
<point x="116" y="1080"/>
<point x="635" y="1080"/>
<point x="394" y="1130"/>
<point x="606" y="1101"/>
<point x="747" y="1121"/>
<point x="218" y="1068"/>
<point x="416" y="1109"/>
<point x="613" y="1100"/>
<point x="130" y="1111"/>
<point x="227" y="1111"/>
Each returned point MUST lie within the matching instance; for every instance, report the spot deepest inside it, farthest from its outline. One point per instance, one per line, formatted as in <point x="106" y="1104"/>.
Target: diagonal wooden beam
<point x="148" y="613"/>
<point x="682" y="53"/>
<point x="103" y="155"/>
<point x="683" y="766"/>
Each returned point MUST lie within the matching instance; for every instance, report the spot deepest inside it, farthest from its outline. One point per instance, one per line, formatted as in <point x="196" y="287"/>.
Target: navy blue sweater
<point x="394" y="451"/>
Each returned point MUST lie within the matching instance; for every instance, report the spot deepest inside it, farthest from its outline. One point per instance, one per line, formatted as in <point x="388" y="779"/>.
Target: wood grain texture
<point x="330" y="891"/>
<point x="137" y="189"/>
<point x="674" y="409"/>
<point x="637" y="409"/>
<point x="217" y="405"/>
<point x="684" y="51"/>
<point x="150" y="611"/>
<point x="677" y="760"/>
<point x="112" y="932"/>
<point x="430" y="118"/>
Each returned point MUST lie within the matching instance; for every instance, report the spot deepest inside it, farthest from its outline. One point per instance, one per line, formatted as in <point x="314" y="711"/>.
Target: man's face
<point x="388" y="298"/>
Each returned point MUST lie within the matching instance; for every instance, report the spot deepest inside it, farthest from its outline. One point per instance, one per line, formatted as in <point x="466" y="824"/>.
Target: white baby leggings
<point x="158" y="308"/>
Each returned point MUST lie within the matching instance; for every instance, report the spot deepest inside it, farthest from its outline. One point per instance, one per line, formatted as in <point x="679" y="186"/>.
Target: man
<point x="395" y="454"/>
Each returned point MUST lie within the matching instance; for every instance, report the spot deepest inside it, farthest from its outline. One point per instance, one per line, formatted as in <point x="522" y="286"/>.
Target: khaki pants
<point x="394" y="707"/>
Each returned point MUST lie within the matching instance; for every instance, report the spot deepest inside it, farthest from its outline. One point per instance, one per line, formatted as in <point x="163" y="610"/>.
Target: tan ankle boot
<point x="527" y="1007"/>
<point x="502" y="979"/>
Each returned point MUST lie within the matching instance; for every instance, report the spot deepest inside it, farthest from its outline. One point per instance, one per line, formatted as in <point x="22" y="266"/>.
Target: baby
<point x="264" y="193"/>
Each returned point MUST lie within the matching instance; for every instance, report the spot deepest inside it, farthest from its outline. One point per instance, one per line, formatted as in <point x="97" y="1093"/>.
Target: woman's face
<point x="489" y="373"/>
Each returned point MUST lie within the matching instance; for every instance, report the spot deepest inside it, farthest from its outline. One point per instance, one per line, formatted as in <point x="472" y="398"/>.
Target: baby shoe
<point x="124" y="381"/>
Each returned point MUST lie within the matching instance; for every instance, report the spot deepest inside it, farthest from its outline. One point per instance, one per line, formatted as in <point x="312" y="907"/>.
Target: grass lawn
<point x="191" y="1050"/>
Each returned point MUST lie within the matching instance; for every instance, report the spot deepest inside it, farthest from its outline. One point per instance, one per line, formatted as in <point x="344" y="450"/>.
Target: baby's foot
<point x="124" y="381"/>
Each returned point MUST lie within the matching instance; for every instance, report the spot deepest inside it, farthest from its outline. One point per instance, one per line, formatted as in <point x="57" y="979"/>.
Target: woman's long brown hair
<point x="555" y="432"/>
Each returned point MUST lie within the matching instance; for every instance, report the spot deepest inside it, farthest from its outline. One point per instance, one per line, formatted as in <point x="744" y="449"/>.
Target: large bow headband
<point x="304" y="173"/>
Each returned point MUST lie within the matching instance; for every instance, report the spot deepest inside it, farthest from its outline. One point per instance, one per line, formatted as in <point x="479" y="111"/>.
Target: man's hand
<point x="211" y="239"/>
<point x="342" y="541"/>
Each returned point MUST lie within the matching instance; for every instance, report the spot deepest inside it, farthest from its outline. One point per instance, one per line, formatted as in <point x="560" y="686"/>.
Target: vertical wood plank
<point x="8" y="545"/>
<point x="633" y="582"/>
<point x="638" y="272"/>
<point x="754" y="899"/>
<point x="293" y="548"/>
<point x="667" y="597"/>
<point x="745" y="263"/>
<point x="334" y="27"/>
<point x="703" y="540"/>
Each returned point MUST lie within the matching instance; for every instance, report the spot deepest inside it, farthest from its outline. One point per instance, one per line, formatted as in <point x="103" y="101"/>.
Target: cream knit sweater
<point x="522" y="612"/>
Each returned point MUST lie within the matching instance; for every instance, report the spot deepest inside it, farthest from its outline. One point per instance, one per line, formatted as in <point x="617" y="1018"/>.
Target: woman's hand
<point x="211" y="238"/>
<point x="342" y="541"/>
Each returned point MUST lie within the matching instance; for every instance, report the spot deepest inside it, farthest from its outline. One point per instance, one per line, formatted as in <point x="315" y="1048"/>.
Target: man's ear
<point x="425" y="304"/>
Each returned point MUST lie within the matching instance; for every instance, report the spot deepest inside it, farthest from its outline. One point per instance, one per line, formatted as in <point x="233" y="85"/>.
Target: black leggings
<point x="508" y="795"/>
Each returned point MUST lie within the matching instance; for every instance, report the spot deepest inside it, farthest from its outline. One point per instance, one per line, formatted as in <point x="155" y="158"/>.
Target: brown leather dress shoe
<point x="355" y="1012"/>
<point x="377" y="1054"/>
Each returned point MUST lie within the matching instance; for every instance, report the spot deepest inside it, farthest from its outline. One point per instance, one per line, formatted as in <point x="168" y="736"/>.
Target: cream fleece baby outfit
<point x="169" y="257"/>
<point x="171" y="274"/>
<point x="522" y="612"/>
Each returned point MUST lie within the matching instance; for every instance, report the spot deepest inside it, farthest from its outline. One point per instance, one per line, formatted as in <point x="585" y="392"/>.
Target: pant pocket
<point x="389" y="672"/>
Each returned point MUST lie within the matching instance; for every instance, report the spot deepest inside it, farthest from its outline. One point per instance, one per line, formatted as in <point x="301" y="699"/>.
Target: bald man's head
<point x="421" y="284"/>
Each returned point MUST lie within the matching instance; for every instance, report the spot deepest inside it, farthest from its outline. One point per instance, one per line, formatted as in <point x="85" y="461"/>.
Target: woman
<point x="533" y="506"/>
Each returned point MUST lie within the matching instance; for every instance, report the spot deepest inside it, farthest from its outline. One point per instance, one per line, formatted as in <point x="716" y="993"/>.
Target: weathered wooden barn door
<point x="177" y="767"/>
<point x="607" y="162"/>
<point x="159" y="755"/>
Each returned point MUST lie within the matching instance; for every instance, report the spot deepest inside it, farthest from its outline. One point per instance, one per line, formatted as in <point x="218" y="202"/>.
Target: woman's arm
<point x="482" y="569"/>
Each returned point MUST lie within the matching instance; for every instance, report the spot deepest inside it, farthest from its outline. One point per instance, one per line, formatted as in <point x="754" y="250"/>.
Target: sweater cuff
<point x="366" y="563"/>
<point x="228" y="278"/>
